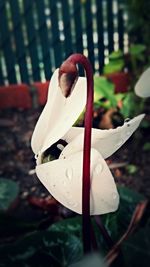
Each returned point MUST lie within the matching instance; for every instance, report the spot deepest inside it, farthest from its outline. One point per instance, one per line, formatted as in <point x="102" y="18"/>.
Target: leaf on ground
<point x="72" y="226"/>
<point x="117" y="222"/>
<point x="45" y="248"/>
<point x="136" y="249"/>
<point x="9" y="191"/>
<point x="135" y="220"/>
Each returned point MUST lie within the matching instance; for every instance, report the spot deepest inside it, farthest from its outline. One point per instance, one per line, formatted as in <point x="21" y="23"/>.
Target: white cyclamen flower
<point x="63" y="177"/>
<point x="142" y="87"/>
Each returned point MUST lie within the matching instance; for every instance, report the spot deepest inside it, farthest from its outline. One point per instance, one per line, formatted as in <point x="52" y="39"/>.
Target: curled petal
<point x="142" y="87"/>
<point x="105" y="141"/>
<point x="63" y="179"/>
<point x="72" y="134"/>
<point x="58" y="115"/>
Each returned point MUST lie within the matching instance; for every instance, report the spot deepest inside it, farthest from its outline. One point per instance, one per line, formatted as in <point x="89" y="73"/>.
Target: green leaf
<point x="128" y="109"/>
<point x="80" y="119"/>
<point x="114" y="66"/>
<point x="104" y="88"/>
<point x="137" y="49"/>
<point x="131" y="168"/>
<point x="130" y="196"/>
<point x="45" y="248"/>
<point x="106" y="105"/>
<point x="146" y="146"/>
<point x="117" y="222"/>
<point x="61" y="244"/>
<point x="119" y="96"/>
<point x="71" y="226"/>
<point x="8" y="193"/>
<point x="116" y="62"/>
<point x="137" y="52"/>
<point x="116" y="55"/>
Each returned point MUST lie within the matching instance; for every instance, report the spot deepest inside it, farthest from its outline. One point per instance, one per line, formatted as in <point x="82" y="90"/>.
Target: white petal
<point x="105" y="141"/>
<point x="72" y="134"/>
<point x="59" y="114"/>
<point x="142" y="87"/>
<point x="63" y="179"/>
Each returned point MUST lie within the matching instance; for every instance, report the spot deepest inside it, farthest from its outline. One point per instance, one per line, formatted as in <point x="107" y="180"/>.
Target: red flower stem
<point x="80" y="59"/>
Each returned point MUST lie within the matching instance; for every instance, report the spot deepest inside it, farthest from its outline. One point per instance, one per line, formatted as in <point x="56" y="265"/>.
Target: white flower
<point x="63" y="177"/>
<point x="142" y="87"/>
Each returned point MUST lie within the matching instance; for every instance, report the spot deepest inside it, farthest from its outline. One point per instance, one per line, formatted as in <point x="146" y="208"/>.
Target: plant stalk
<point x="68" y="81"/>
<point x="86" y="228"/>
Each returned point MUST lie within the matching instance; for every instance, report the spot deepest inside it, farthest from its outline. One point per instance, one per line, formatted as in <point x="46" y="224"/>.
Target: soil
<point x="18" y="162"/>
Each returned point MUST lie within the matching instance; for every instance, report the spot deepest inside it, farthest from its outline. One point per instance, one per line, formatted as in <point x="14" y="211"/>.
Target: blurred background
<point x="35" y="38"/>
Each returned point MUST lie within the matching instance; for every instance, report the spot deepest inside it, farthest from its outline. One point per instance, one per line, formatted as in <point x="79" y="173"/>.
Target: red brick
<point x="42" y="91"/>
<point x="15" y="96"/>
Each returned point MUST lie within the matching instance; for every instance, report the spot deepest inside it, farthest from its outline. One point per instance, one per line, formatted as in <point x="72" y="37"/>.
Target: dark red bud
<point x="68" y="75"/>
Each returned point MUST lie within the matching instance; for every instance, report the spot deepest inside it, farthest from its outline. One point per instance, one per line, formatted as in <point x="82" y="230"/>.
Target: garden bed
<point x="27" y="229"/>
<point x="18" y="163"/>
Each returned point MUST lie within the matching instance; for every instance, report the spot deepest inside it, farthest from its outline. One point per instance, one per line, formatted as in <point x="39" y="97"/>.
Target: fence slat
<point x="67" y="29"/>
<point x="20" y="47"/>
<point x="89" y="32"/>
<point x="55" y="33"/>
<point x="110" y="26"/>
<point x="1" y="75"/>
<point x="120" y="28"/>
<point x="78" y="26"/>
<point x="32" y="43"/>
<point x="31" y="31"/>
<point x="6" y="45"/>
<point x="100" y="29"/>
<point x="43" y="33"/>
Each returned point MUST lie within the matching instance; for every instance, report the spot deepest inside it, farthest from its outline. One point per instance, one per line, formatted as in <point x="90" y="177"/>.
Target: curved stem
<point x="80" y="59"/>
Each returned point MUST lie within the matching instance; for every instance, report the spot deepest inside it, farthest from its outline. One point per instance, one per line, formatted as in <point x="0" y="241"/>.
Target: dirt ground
<point x="17" y="161"/>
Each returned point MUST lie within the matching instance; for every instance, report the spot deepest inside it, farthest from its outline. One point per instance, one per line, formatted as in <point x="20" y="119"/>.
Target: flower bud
<point x="68" y="75"/>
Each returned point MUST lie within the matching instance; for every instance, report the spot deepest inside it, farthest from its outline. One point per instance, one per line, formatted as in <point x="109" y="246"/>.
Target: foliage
<point x="128" y="109"/>
<point x="104" y="89"/>
<point x="8" y="193"/>
<point x="45" y="248"/>
<point x="139" y="17"/>
<point x="117" y="222"/>
<point x="126" y="104"/>
<point x="105" y="97"/>
<point x="146" y="146"/>
<point x="137" y="249"/>
<point x="61" y="244"/>
<point x="137" y="51"/>
<point x="116" y="62"/>
<point x="135" y="62"/>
